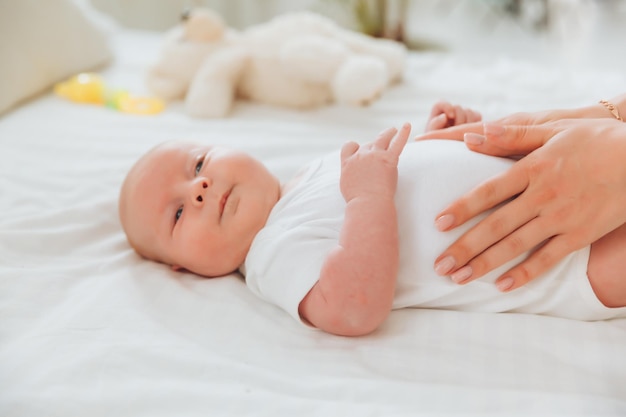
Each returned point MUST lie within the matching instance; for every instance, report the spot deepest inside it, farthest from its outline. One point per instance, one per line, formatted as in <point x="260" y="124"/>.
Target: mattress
<point x="88" y="328"/>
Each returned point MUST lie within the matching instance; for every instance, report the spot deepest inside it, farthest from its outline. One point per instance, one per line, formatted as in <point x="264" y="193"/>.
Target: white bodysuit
<point x="286" y="256"/>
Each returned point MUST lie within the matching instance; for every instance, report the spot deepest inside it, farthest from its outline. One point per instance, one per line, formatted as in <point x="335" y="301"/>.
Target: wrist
<point x="612" y="109"/>
<point x="371" y="198"/>
<point x="620" y="103"/>
<point x="594" y="111"/>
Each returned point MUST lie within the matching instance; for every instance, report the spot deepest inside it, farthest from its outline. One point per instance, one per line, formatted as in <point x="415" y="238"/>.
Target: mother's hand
<point x="524" y="142"/>
<point x="566" y="194"/>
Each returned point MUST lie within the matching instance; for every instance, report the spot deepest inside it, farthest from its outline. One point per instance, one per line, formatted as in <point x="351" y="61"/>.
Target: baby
<point x="350" y="238"/>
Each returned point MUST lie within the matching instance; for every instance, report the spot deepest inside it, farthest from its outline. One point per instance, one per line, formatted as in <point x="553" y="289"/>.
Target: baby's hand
<point x="445" y="114"/>
<point x="372" y="169"/>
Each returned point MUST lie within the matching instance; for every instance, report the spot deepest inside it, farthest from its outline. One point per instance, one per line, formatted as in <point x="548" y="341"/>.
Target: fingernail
<point x="505" y="283"/>
<point x="492" y="129"/>
<point x="462" y="274"/>
<point x="473" y="139"/>
<point x="445" y="265"/>
<point x="444" y="222"/>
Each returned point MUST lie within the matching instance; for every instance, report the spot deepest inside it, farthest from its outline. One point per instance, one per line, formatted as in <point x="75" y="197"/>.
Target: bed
<point x="88" y="328"/>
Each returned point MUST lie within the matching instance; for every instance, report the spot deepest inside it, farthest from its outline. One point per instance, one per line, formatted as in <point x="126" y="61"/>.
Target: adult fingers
<point x="497" y="139"/>
<point x="485" y="196"/>
<point x="521" y="240"/>
<point x="505" y="140"/>
<point x="478" y="143"/>
<point x="499" y="188"/>
<point x="490" y="243"/>
<point x="453" y="133"/>
<point x="520" y="118"/>
<point x="539" y="262"/>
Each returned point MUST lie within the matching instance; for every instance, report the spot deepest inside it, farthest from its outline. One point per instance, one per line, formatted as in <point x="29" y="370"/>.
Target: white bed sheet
<point x="87" y="328"/>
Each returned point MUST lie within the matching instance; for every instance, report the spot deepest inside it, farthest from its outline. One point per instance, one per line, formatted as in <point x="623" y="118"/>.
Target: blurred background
<point x="572" y="32"/>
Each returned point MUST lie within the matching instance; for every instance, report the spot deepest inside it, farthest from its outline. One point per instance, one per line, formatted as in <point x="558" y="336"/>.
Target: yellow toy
<point x="90" y="88"/>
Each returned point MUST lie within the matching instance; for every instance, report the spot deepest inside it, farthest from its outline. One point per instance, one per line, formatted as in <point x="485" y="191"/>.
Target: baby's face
<point x="196" y="207"/>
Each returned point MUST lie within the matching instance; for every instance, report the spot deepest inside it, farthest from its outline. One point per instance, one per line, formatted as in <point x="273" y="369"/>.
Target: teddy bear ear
<point x="202" y="25"/>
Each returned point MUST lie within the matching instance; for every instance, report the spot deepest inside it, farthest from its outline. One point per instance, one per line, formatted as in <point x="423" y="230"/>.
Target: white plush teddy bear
<point x="300" y="60"/>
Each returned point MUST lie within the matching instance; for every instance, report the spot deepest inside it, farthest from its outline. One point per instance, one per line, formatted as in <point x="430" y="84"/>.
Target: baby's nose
<point x="198" y="190"/>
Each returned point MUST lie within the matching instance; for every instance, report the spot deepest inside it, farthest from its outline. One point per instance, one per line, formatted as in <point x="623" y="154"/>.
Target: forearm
<point x="356" y="287"/>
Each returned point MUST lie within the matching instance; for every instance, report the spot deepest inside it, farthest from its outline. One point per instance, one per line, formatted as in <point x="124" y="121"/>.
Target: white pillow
<point x="43" y="42"/>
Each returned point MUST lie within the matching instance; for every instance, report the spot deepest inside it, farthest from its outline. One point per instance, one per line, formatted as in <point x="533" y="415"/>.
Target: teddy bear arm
<point x="213" y="89"/>
<point x="170" y="76"/>
<point x="166" y="86"/>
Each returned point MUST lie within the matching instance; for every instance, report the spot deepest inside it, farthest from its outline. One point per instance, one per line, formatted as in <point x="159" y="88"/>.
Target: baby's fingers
<point x="399" y="141"/>
<point x="442" y="107"/>
<point x="384" y="138"/>
<point x="473" y="116"/>
<point x="460" y="117"/>
<point x="436" y="123"/>
<point x="349" y="149"/>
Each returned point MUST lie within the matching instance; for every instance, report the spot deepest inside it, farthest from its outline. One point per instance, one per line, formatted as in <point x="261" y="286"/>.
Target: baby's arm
<point x="355" y="291"/>
<point x="444" y="114"/>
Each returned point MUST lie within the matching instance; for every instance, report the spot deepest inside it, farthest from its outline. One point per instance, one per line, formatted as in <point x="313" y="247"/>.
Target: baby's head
<point x="196" y="207"/>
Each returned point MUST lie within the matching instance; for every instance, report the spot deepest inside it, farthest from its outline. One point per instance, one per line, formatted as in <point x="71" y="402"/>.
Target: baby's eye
<point x="199" y="166"/>
<point x="179" y="213"/>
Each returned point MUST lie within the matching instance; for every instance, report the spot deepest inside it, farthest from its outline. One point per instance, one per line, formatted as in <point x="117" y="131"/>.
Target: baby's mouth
<point x="223" y="201"/>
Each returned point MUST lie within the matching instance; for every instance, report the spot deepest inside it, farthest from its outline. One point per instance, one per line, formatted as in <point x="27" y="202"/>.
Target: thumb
<point x="348" y="149"/>
<point x="509" y="140"/>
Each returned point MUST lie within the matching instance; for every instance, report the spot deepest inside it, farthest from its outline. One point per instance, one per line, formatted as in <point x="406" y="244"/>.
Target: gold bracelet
<point x="612" y="108"/>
